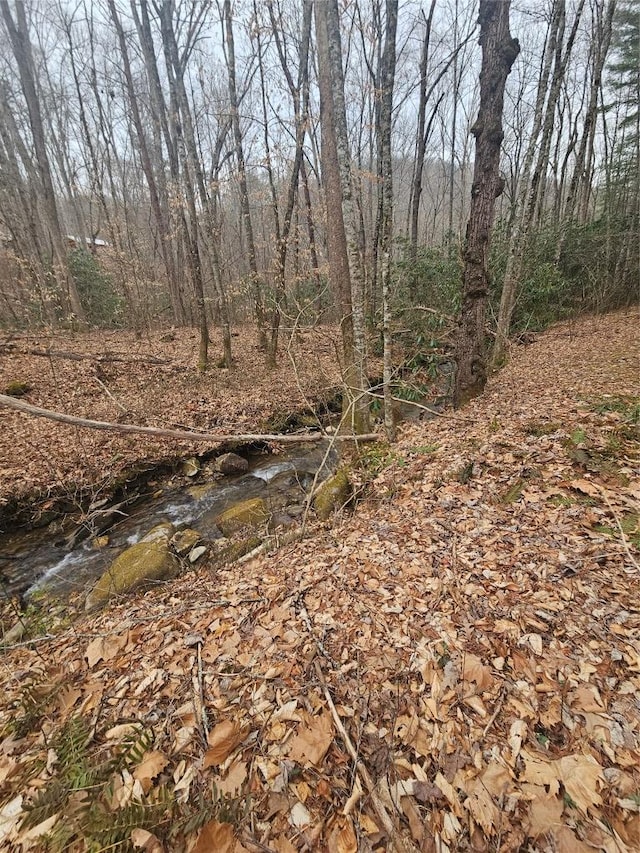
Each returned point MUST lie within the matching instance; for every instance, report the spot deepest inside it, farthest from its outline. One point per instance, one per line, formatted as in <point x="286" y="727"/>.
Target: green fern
<point x="81" y="790"/>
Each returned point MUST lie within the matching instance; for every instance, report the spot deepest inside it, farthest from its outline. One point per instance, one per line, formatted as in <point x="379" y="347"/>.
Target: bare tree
<point x="21" y="45"/>
<point x="342" y="225"/>
<point x="499" y="51"/>
<point x="245" y="208"/>
<point x="384" y="117"/>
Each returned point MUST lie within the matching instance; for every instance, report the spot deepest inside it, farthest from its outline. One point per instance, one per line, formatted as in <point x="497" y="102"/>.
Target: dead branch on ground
<point x="178" y="435"/>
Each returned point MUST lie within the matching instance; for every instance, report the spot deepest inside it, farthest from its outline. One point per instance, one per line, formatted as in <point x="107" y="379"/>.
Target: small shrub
<point x="99" y="298"/>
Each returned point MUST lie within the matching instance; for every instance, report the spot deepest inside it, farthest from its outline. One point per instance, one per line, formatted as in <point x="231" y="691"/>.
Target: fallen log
<point x="104" y="357"/>
<point x="177" y="434"/>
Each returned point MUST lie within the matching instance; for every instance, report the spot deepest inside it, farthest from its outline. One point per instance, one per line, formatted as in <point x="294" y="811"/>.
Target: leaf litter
<point x="482" y="656"/>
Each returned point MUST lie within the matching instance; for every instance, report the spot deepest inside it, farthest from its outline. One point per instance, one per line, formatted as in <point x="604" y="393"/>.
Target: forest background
<point x="160" y="164"/>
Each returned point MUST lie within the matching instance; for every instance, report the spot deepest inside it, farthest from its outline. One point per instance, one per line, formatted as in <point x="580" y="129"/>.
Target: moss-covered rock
<point x="184" y="540"/>
<point x="333" y="494"/>
<point x="250" y="513"/>
<point x="17" y="388"/>
<point x="148" y="560"/>
<point x="224" y="551"/>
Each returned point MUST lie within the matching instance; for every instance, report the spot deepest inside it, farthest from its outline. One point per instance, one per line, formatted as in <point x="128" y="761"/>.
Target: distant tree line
<point x="289" y="162"/>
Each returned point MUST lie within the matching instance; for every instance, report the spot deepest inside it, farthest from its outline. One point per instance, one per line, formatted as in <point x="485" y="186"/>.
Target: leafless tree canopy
<point x="189" y="163"/>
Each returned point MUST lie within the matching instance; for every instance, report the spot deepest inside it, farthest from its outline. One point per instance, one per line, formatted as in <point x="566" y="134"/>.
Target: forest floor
<point x="149" y="381"/>
<point x="453" y="666"/>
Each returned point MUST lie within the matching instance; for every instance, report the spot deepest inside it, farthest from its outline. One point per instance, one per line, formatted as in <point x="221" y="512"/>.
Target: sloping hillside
<point x="455" y="666"/>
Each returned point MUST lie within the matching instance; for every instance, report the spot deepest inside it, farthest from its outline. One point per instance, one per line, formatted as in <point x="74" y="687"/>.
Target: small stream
<point x="34" y="560"/>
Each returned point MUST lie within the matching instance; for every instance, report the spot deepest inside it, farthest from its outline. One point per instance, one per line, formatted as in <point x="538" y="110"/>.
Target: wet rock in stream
<point x="149" y="560"/>
<point x="231" y="463"/>
<point x="250" y="513"/>
<point x="98" y="553"/>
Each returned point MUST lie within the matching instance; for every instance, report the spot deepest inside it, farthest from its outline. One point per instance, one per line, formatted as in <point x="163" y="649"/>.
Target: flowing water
<point x="37" y="559"/>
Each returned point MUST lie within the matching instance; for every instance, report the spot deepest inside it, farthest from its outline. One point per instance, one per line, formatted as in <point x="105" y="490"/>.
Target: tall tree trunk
<point x="160" y="214"/>
<point x="421" y="146"/>
<point x="300" y="95"/>
<point x="581" y="180"/>
<point x="23" y="55"/>
<point x="499" y="51"/>
<point x="191" y="168"/>
<point x="344" y="262"/>
<point x="384" y="114"/>
<point x="524" y="208"/>
<point x="245" y="209"/>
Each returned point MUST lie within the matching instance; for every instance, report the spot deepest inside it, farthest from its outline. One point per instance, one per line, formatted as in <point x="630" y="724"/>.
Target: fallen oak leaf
<point x="142" y="839"/>
<point x="425" y="792"/>
<point x="105" y="648"/>
<point x="580" y="775"/>
<point x="234" y="780"/>
<point x="342" y="838"/>
<point x="476" y="672"/>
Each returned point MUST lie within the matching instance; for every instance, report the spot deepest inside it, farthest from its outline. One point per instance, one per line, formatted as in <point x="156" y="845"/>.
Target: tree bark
<point x="300" y="95"/>
<point x="384" y="115"/>
<point x="245" y="209"/>
<point x="23" y="55"/>
<point x="499" y="51"/>
<point x="330" y="56"/>
<point x="342" y="249"/>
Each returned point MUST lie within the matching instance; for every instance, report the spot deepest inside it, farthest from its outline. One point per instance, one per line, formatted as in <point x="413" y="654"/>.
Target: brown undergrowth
<point x="473" y="628"/>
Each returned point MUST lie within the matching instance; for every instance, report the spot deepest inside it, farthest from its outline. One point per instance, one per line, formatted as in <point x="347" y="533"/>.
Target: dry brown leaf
<point x="587" y="698"/>
<point x="477" y="672"/>
<point x="581" y="776"/>
<point x="539" y="771"/>
<point x="481" y="806"/>
<point x="517" y="735"/>
<point x="313" y="739"/>
<point x="545" y="813"/>
<point x="283" y="845"/>
<point x="142" y="839"/>
<point x="222" y="740"/>
<point x="67" y="698"/>
<point x="234" y="780"/>
<point x="342" y="838"/>
<point x="566" y="841"/>
<point x="586" y="487"/>
<point x="416" y="824"/>
<point x="215" y="837"/>
<point x="105" y="648"/>
<point x="496" y="779"/>
<point x="151" y="765"/>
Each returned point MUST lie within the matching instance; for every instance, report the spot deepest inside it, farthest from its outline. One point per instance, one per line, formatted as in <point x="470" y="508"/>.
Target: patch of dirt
<point x="443" y="670"/>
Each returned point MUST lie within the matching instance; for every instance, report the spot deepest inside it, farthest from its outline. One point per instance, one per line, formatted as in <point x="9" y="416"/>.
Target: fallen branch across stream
<point x="177" y="434"/>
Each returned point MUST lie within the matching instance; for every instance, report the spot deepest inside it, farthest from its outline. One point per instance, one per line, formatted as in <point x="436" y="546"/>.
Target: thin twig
<point x="398" y="843"/>
<point x="623" y="535"/>
<point x="110" y="395"/>
<point x="494" y="716"/>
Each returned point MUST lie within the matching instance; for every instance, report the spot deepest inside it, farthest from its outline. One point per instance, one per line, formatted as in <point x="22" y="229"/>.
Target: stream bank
<point x="209" y="506"/>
